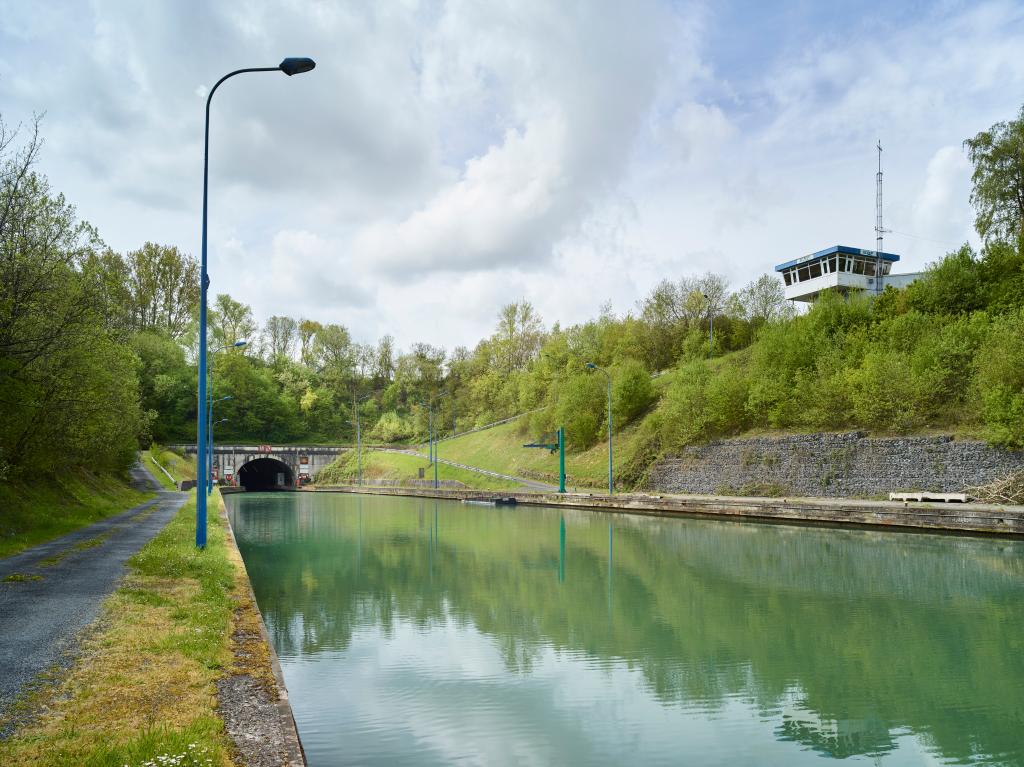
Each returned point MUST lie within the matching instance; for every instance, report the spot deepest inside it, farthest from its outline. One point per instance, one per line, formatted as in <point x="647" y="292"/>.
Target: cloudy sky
<point x="445" y="158"/>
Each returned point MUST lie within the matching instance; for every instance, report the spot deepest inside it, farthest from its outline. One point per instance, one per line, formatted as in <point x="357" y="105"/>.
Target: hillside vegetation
<point x="97" y="352"/>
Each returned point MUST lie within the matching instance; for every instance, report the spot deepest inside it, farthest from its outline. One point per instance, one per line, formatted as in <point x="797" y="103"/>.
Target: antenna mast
<point x="879" y="230"/>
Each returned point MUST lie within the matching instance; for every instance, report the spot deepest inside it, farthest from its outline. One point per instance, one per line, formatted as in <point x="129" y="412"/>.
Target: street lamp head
<point x="592" y="366"/>
<point x="238" y="344"/>
<point x="225" y="398"/>
<point x="223" y="420"/>
<point x="296" y="66"/>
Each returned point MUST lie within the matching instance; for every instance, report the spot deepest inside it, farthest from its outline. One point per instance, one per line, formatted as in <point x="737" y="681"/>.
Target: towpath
<point x="49" y="593"/>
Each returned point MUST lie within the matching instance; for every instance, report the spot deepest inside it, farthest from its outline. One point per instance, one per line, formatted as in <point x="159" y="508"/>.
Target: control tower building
<point x="842" y="269"/>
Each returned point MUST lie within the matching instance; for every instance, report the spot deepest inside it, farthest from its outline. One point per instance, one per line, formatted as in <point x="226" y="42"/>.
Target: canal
<point x="426" y="632"/>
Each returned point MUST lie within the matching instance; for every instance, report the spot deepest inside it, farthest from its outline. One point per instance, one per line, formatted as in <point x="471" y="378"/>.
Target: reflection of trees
<point x="921" y="632"/>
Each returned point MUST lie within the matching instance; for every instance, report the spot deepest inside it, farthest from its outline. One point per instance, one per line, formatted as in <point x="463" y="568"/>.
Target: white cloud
<point x="445" y="158"/>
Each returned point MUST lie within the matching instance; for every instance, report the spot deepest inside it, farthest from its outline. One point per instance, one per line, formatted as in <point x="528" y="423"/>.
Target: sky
<point x="446" y="158"/>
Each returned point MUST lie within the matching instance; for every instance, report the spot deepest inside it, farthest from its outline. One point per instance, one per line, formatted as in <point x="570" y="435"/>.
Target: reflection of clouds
<point x="443" y="696"/>
<point x="445" y="647"/>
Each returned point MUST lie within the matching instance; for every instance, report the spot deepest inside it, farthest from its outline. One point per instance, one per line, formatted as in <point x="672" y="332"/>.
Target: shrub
<point x="999" y="381"/>
<point x="391" y="427"/>
<point x="632" y="391"/>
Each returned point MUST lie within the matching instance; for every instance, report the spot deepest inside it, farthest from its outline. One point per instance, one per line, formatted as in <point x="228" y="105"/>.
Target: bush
<point x="391" y="427"/>
<point x="581" y="407"/>
<point x="999" y="381"/>
<point x="632" y="391"/>
<point x="699" y="405"/>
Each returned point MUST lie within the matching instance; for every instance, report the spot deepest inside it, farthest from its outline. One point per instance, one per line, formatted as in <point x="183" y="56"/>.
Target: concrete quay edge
<point x="970" y="518"/>
<point x="293" y="743"/>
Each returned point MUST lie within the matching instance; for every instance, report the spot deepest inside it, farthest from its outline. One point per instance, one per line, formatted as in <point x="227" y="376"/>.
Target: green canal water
<point x="429" y="632"/>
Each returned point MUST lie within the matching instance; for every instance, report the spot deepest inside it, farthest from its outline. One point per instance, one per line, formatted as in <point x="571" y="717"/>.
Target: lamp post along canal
<point x="209" y="488"/>
<point x="711" y="326"/>
<point x="611" y="486"/>
<point x="290" y="66"/>
<point x="359" y="438"/>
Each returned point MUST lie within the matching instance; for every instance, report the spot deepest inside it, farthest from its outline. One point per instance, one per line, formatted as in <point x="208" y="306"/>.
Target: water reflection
<point x="627" y="637"/>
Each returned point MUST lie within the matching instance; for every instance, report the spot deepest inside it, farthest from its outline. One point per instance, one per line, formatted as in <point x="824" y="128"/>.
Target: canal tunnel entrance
<point x="266" y="474"/>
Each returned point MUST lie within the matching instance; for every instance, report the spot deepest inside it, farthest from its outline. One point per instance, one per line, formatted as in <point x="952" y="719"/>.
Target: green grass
<point x="35" y="512"/>
<point x="501" y="449"/>
<point x="144" y="686"/>
<point x="399" y="466"/>
<point x="147" y="461"/>
<point x="178" y="466"/>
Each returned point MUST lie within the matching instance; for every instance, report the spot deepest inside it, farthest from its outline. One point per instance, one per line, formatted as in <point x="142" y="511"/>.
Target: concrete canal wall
<point x="833" y="465"/>
<point x="935" y="517"/>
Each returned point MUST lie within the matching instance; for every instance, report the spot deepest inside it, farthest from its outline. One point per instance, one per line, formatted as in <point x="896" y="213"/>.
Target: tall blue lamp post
<point x="290" y="66"/>
<point x="592" y="366"/>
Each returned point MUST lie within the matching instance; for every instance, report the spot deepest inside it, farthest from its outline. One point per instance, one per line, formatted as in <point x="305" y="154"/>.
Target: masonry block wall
<point x="833" y="465"/>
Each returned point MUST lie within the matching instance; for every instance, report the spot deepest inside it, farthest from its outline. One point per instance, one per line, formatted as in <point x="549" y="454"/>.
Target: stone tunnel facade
<point x="267" y="467"/>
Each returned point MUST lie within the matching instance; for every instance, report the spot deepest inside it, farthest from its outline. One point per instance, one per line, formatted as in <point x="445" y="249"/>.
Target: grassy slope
<point x="179" y="467"/>
<point x="147" y="461"/>
<point x="31" y="513"/>
<point x="501" y="449"/>
<point x="144" y="686"/>
<point x="398" y="466"/>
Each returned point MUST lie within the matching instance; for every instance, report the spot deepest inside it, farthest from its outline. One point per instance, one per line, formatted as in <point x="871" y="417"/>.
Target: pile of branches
<point x="1008" y="490"/>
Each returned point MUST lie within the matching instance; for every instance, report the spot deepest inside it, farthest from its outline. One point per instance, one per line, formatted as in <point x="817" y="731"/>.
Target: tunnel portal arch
<point x="266" y="474"/>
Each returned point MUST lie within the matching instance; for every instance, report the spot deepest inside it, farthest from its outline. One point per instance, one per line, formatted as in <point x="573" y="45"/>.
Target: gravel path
<point x="49" y="593"/>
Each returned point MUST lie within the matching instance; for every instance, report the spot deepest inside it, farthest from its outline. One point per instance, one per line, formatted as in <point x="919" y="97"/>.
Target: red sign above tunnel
<point x="266" y="449"/>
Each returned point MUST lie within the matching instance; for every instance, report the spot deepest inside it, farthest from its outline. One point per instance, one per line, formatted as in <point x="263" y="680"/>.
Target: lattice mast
<point x="879" y="230"/>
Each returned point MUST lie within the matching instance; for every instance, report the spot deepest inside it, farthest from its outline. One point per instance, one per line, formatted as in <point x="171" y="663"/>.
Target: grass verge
<point x="143" y="690"/>
<point x="31" y="513"/>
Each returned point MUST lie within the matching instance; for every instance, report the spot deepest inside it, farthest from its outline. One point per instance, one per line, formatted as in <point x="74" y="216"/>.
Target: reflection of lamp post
<point x="439" y="396"/>
<point x="290" y="66"/>
<point x="592" y="366"/>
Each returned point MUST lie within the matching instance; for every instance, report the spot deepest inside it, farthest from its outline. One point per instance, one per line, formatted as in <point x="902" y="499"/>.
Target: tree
<point x="163" y="288"/>
<point x="998" y="179"/>
<point x="68" y="385"/>
<point x="334" y="353"/>
<point x="231" y="321"/>
<point x="384" y="361"/>
<point x="279" y="336"/>
<point x="518" y="337"/>
<point x="763" y="300"/>
<point x="307" y="332"/>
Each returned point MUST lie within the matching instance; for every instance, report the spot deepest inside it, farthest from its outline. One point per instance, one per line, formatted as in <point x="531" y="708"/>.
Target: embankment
<point x="47" y="507"/>
<point x="833" y="466"/>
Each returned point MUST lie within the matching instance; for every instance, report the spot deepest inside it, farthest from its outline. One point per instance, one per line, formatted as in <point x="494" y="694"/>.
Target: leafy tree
<point x="279" y="336"/>
<point x="518" y="337"/>
<point x="998" y="179"/>
<point x="67" y="384"/>
<point x="162" y="286"/>
<point x="231" y="321"/>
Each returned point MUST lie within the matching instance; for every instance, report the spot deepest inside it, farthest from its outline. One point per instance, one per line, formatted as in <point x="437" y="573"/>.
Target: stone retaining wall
<point x="833" y="465"/>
